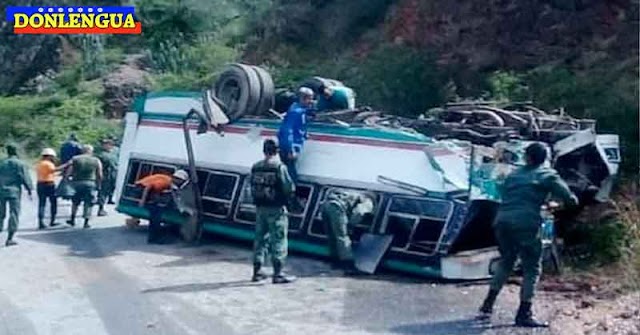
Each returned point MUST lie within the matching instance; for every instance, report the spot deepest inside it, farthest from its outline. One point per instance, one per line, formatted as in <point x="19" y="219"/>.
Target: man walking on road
<point x="271" y="188"/>
<point x="14" y="175"/>
<point x="70" y="148"/>
<point x="109" y="161"/>
<point x="517" y="228"/>
<point x="340" y="210"/>
<point x="86" y="175"/>
<point x="46" y="186"/>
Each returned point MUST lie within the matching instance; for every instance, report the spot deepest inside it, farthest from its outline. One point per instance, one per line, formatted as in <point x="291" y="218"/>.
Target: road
<point x="107" y="280"/>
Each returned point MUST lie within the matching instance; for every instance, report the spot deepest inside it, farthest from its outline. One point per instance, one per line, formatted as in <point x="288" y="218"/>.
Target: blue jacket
<point x="293" y="129"/>
<point x="68" y="150"/>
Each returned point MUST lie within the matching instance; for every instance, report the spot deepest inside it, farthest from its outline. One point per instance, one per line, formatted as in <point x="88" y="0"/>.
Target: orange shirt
<point x="156" y="182"/>
<point x="46" y="171"/>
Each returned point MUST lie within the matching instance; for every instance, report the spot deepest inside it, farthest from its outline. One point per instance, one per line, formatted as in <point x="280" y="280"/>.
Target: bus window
<point x="246" y="211"/>
<point x="133" y="173"/>
<point x="145" y="170"/>
<point x="297" y="213"/>
<point x="317" y="227"/>
<point x="163" y="169"/>
<point x="417" y="224"/>
<point x="218" y="193"/>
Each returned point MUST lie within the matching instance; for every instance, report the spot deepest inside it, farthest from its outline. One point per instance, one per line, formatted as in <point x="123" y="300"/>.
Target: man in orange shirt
<point x="156" y="196"/>
<point x="46" y="187"/>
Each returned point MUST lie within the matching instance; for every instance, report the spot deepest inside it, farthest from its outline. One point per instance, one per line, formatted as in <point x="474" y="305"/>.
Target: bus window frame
<point x="252" y="207"/>
<point x="321" y="197"/>
<point x="385" y="222"/>
<point x="140" y="163"/>
<point x="219" y="200"/>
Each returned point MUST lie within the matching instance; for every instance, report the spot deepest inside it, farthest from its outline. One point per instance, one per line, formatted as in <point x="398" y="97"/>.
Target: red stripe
<point x="94" y="30"/>
<point x="314" y="137"/>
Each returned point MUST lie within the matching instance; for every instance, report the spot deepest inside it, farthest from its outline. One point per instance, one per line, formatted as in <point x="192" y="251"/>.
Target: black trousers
<point x="47" y="190"/>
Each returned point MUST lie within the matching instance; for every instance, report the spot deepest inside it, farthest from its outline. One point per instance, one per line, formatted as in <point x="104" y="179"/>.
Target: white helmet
<point x="305" y="91"/>
<point x="48" y="152"/>
<point x="181" y="174"/>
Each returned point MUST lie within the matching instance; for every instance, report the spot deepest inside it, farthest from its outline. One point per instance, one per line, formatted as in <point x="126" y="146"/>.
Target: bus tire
<point x="238" y="87"/>
<point x="267" y="91"/>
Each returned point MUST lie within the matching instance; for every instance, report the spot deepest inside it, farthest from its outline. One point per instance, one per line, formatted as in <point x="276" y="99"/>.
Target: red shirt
<point x="156" y="182"/>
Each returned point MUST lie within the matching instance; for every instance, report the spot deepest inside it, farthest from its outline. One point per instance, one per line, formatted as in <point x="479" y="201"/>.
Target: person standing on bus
<point x="340" y="210"/>
<point x="271" y="188"/>
<point x="46" y="186"/>
<point x="86" y="174"/>
<point x="293" y="131"/>
<point x="517" y="228"/>
<point x="14" y="175"/>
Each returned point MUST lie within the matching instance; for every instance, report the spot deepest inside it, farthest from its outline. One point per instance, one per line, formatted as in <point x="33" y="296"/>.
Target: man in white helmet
<point x="293" y="131"/>
<point x="46" y="188"/>
<point x="155" y="198"/>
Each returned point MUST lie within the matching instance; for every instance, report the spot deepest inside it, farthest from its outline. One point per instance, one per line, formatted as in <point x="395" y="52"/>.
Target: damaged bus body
<point x="436" y="198"/>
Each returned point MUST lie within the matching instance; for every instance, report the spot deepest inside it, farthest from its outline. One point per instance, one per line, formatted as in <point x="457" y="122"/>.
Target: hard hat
<point x="181" y="174"/>
<point x="48" y="152"/>
<point x="305" y="91"/>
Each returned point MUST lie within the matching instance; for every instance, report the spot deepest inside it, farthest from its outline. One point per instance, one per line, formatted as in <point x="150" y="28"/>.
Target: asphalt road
<point x="107" y="280"/>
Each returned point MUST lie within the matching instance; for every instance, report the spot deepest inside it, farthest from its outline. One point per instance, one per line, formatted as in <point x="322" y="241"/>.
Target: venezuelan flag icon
<point x="73" y="20"/>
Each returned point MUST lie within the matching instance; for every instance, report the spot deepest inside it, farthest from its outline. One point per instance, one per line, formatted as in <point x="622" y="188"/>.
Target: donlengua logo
<point x="73" y="20"/>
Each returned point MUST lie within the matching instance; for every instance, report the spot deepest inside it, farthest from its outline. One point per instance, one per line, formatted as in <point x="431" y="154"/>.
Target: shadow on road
<point x="452" y="327"/>
<point x="199" y="287"/>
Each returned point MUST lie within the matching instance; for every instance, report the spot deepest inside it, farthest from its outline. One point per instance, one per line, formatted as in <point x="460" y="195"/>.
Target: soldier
<point x="341" y="210"/>
<point x="109" y="162"/>
<point x="517" y="228"/>
<point x="271" y="188"/>
<point x="13" y="176"/>
<point x="86" y="174"/>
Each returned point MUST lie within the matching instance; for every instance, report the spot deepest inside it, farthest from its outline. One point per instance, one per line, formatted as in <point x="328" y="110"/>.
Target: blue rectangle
<point x="30" y="10"/>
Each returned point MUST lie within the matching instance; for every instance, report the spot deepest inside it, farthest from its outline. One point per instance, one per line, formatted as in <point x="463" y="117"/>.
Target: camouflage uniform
<point x="14" y="175"/>
<point x="341" y="210"/>
<point x="109" y="161"/>
<point x="84" y="180"/>
<point x="518" y="223"/>
<point x="271" y="187"/>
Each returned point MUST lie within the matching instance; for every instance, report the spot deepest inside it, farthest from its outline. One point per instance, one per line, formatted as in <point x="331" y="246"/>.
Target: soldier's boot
<point x="86" y="224"/>
<point x="53" y="223"/>
<point x="258" y="274"/>
<point x="279" y="277"/>
<point x="524" y="318"/>
<point x="101" y="211"/>
<point x="111" y="202"/>
<point x="41" y="224"/>
<point x="72" y="221"/>
<point x="10" y="240"/>
<point x="487" y="305"/>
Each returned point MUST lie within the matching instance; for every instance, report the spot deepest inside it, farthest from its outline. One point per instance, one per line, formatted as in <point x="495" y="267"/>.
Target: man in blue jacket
<point x="293" y="131"/>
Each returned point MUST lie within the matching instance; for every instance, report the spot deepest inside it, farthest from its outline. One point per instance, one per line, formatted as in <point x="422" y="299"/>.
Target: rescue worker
<point x="85" y="171"/>
<point x="157" y="189"/>
<point x="340" y="210"/>
<point x="293" y="131"/>
<point x="14" y="175"/>
<point x="70" y="148"/>
<point x="335" y="98"/>
<point x="271" y="187"/>
<point x="109" y="162"/>
<point x="46" y="187"/>
<point x="518" y="229"/>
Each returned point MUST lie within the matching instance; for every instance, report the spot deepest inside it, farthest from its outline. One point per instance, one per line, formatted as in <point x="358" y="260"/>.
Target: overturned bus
<point x="435" y="198"/>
